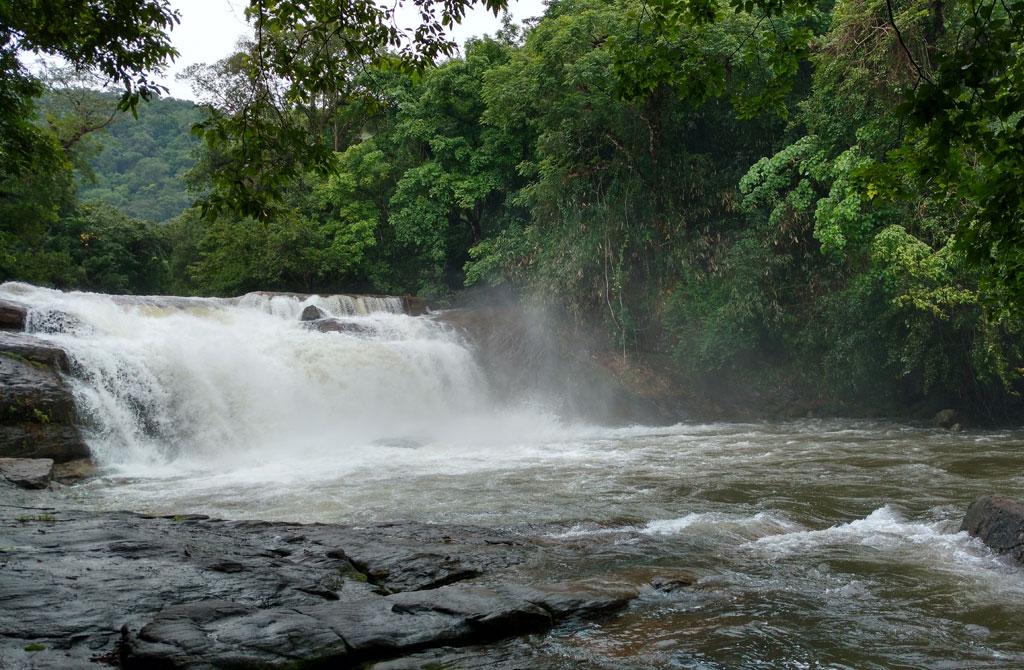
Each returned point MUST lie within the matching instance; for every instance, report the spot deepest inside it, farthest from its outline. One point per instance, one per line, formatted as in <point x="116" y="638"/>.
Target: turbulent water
<point x="815" y="544"/>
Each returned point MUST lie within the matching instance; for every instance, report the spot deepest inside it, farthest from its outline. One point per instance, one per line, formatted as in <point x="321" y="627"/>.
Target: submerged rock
<point x="13" y="315"/>
<point x="674" y="582"/>
<point x="28" y="473"/>
<point x="37" y="410"/>
<point x="189" y="592"/>
<point x="332" y="325"/>
<point x="312" y="313"/>
<point x="997" y="521"/>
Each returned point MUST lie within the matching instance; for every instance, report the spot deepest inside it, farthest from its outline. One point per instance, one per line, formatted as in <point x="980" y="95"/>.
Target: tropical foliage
<point x="812" y="199"/>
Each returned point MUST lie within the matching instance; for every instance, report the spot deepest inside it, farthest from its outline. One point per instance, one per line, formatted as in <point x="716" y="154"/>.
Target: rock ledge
<point x="191" y="592"/>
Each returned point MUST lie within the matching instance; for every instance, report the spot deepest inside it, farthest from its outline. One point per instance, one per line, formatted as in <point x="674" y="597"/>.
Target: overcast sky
<point x="210" y="28"/>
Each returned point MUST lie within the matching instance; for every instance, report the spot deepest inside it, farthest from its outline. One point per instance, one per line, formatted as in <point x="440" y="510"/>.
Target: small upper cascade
<point x="291" y="305"/>
<point x="48" y="315"/>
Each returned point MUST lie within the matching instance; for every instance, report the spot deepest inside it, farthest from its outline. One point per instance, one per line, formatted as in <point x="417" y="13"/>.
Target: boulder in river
<point x="947" y="418"/>
<point x="312" y="313"/>
<point x="37" y="410"/>
<point x="28" y="473"/>
<point x="12" y="315"/>
<point x="998" y="521"/>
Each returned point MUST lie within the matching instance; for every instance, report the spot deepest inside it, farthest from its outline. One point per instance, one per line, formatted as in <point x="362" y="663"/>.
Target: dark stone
<point x="13" y="315"/>
<point x="37" y="411"/>
<point x="332" y="325"/>
<point x="28" y="473"/>
<point x="676" y="582"/>
<point x="568" y="600"/>
<point x="187" y="591"/>
<point x="947" y="418"/>
<point x="312" y="313"/>
<point x="997" y="521"/>
<point x="414" y="306"/>
<point x="226" y="566"/>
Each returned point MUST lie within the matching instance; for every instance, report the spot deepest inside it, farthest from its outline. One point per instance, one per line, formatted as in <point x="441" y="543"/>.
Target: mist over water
<point x="816" y="543"/>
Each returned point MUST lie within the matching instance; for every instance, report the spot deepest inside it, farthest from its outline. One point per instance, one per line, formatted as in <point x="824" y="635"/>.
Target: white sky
<point x="210" y="28"/>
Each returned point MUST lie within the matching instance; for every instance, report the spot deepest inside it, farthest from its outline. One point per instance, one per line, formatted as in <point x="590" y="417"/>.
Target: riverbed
<point x="813" y="544"/>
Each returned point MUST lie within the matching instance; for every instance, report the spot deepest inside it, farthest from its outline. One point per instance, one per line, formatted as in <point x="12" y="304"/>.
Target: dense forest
<point x="751" y="199"/>
<point x="140" y="163"/>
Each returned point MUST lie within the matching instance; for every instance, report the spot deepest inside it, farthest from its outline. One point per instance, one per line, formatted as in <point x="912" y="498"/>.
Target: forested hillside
<point x="141" y="163"/>
<point x="751" y="205"/>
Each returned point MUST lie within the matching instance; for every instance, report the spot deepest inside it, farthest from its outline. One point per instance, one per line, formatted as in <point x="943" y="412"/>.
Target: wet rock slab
<point x="37" y="410"/>
<point x="997" y="521"/>
<point x="332" y="325"/>
<point x="190" y="592"/>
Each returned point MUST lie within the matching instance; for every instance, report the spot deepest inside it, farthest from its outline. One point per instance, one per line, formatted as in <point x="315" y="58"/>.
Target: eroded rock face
<point x="997" y="521"/>
<point x="192" y="592"/>
<point x="13" y="315"/>
<point x="37" y="410"/>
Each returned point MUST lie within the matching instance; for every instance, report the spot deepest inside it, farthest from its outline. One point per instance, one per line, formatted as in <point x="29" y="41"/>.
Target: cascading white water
<point x="291" y="307"/>
<point x="199" y="379"/>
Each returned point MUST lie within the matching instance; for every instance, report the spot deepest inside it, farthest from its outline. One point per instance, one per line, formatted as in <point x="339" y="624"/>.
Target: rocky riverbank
<point x="138" y="591"/>
<point x="94" y="589"/>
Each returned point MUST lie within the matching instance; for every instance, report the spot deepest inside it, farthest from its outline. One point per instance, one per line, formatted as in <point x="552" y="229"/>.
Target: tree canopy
<point x="780" y="197"/>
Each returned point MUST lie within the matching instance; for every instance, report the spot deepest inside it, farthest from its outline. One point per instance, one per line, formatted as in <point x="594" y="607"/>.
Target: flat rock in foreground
<point x="999" y="522"/>
<point x="28" y="473"/>
<point x="80" y="588"/>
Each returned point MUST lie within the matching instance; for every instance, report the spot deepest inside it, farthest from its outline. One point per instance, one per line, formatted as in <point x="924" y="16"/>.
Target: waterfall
<point x="160" y="379"/>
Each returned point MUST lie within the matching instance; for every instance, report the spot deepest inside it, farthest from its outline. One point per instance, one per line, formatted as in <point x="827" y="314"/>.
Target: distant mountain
<point x="140" y="166"/>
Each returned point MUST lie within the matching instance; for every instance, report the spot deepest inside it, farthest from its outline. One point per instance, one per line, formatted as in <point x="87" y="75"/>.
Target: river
<point x="811" y="544"/>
